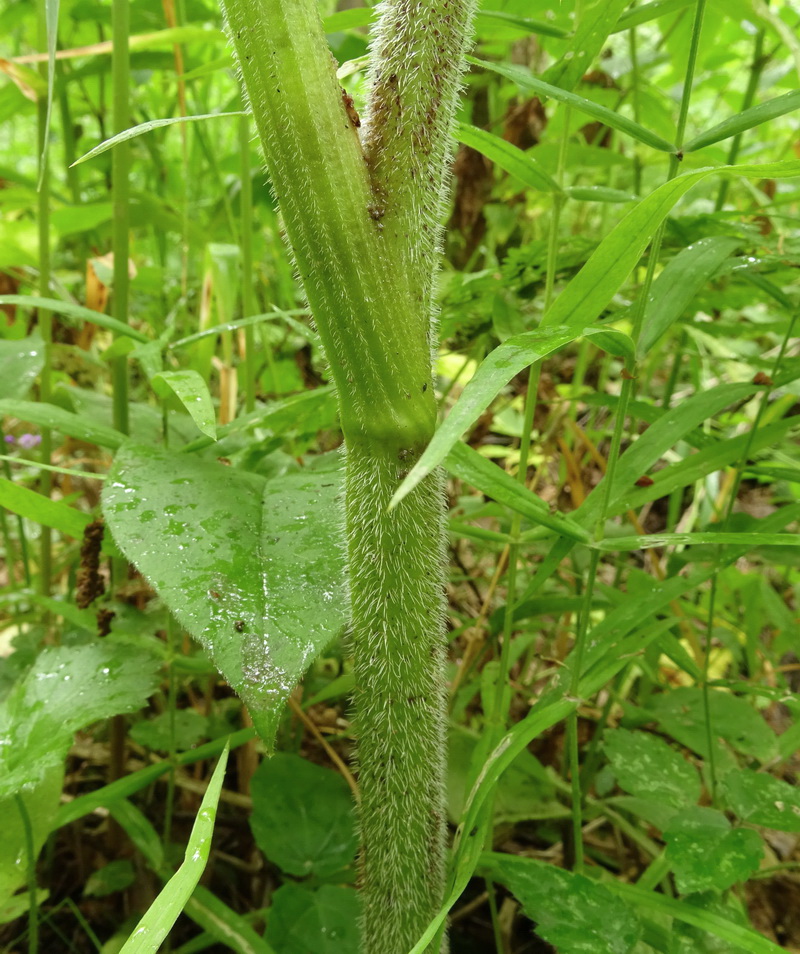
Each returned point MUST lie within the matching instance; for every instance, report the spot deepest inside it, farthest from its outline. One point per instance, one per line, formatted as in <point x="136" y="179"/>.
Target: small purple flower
<point x="29" y="441"/>
<point x="9" y="438"/>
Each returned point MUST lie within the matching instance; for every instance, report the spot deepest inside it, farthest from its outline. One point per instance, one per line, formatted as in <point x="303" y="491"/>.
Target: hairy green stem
<point x="353" y="222"/>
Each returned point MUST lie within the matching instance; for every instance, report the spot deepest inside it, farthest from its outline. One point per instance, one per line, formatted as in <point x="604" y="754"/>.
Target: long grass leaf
<point x="147" y="127"/>
<point x="68" y="309"/>
<point x="164" y="911"/>
<point x="508" y="156"/>
<point x="49" y="415"/>
<point x="748" y="119"/>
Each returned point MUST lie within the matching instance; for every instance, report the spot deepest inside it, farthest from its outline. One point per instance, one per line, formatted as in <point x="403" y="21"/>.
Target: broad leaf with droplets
<point x="254" y="569"/>
<point x="67" y="688"/>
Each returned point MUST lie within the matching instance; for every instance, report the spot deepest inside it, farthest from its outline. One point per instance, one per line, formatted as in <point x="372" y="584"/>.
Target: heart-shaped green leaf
<point x="252" y="568"/>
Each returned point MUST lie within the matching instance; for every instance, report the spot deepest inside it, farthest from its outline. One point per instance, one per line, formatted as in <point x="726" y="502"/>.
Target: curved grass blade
<point x="164" y="911"/>
<point x="508" y="156"/>
<point x="648" y="541"/>
<point x="49" y="513"/>
<point x="539" y="27"/>
<point x="192" y="391"/>
<point x="468" y="465"/>
<point x="647" y="12"/>
<point x="143" y="128"/>
<point x="748" y="119"/>
<point x="600" y="194"/>
<point x="49" y="415"/>
<point x="68" y="309"/>
<point x="496" y="370"/>
<point x="585" y="44"/>
<point x="742" y="937"/>
<point x="527" y="81"/>
<point x="681" y="280"/>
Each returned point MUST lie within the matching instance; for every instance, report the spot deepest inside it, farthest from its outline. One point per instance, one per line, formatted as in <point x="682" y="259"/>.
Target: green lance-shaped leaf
<point x="596" y="23"/>
<point x="745" y="120"/>
<point x="253" y="569"/>
<point x="467" y="464"/>
<point x="599" y="194"/>
<point x="576" y="915"/>
<point x="66" y="689"/>
<point x="508" y="157"/>
<point x="683" y="277"/>
<point x="496" y="370"/>
<point x="647" y="12"/>
<point x="34" y="506"/>
<point x="649" y="540"/>
<point x="164" y="911"/>
<point x="21" y="360"/>
<point x="527" y="81"/>
<point x="737" y="935"/>
<point x="147" y="127"/>
<point x="707" y="854"/>
<point x="78" y="313"/>
<point x="192" y="391"/>
<point x="75" y="425"/>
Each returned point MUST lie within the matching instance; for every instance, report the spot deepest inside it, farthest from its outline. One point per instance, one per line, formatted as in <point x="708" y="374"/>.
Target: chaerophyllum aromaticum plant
<point x="361" y="209"/>
<point x="266" y="573"/>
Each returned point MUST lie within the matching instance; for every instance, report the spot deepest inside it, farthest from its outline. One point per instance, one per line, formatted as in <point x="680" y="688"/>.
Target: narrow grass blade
<point x="649" y="11"/>
<point x="539" y="27"/>
<point x="742" y="937"/>
<point x="143" y="128"/>
<point x="508" y="156"/>
<point x="192" y="391"/>
<point x="41" y="509"/>
<point x="599" y="194"/>
<point x="590" y="291"/>
<point x="527" y="81"/>
<point x="648" y="541"/>
<point x="164" y="911"/>
<point x="681" y="280"/>
<point x="68" y="309"/>
<point x="224" y="924"/>
<point x="596" y="22"/>
<point x="48" y="415"/>
<point x="748" y="119"/>
<point x="468" y="465"/>
<point x="497" y="369"/>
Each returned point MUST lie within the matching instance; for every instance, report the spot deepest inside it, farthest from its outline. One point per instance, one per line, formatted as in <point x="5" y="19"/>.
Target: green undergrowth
<point x="616" y="373"/>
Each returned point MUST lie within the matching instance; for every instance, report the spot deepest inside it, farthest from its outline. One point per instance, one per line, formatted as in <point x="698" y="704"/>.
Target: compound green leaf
<point x="323" y="920"/>
<point x="681" y="713"/>
<point x="706" y="854"/>
<point x="762" y="799"/>
<point x="647" y="766"/>
<point x="253" y="569"/>
<point x="574" y="914"/>
<point x="303" y="817"/>
<point x="66" y="689"/>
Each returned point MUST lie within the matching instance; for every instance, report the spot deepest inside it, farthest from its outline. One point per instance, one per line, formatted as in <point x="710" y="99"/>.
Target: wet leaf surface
<point x="252" y="569"/>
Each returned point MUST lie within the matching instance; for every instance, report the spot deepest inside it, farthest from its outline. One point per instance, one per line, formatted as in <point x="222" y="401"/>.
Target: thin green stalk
<point x="45" y="317"/>
<point x="246" y="241"/>
<point x="120" y="171"/>
<point x="712" y="762"/>
<point x="30" y="868"/>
